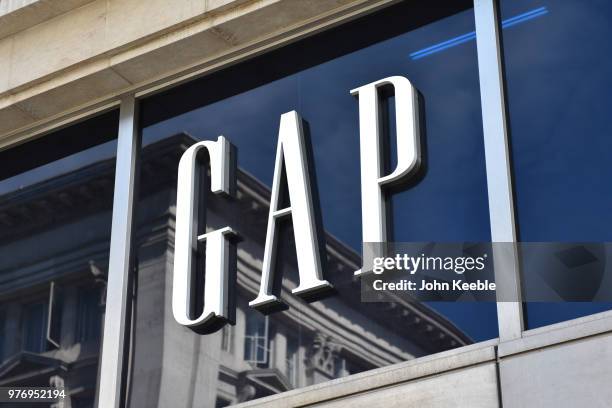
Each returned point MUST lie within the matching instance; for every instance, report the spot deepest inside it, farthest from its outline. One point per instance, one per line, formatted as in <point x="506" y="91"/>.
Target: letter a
<point x="292" y="151"/>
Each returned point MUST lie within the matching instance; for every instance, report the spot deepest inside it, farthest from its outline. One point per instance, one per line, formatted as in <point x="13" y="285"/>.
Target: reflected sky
<point x="59" y="167"/>
<point x="449" y="204"/>
<point x="62" y="151"/>
<point x="471" y="36"/>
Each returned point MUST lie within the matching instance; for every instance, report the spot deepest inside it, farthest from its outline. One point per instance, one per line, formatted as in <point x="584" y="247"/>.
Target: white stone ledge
<point x="418" y="369"/>
<point x="18" y="15"/>
<point x="559" y="333"/>
<point x="98" y="52"/>
<point x="412" y="376"/>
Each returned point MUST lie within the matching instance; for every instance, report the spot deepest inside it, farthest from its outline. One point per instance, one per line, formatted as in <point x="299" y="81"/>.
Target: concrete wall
<point x="572" y="374"/>
<point x="563" y="365"/>
<point x="560" y="366"/>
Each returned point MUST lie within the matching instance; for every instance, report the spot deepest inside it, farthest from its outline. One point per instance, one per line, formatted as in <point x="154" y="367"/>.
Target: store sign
<point x="291" y="155"/>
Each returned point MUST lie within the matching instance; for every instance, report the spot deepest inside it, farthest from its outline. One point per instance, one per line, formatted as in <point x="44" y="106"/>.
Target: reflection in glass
<point x="256" y="339"/>
<point x="557" y="83"/>
<point x="309" y="343"/>
<point x="55" y="216"/>
<point x="304" y="345"/>
<point x="34" y="324"/>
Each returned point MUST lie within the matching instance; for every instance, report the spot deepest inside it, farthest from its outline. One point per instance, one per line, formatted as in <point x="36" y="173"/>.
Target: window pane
<point x="89" y="323"/>
<point x="34" y="323"/>
<point x="256" y="339"/>
<point x="558" y="78"/>
<point x="3" y="334"/>
<point x="55" y="221"/>
<point x="312" y="342"/>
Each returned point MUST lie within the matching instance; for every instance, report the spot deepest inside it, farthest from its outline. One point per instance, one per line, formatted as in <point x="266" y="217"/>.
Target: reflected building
<point x="54" y="237"/>
<point x="53" y="298"/>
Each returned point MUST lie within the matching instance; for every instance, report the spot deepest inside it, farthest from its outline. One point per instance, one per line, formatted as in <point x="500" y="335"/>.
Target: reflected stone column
<point x="100" y="278"/>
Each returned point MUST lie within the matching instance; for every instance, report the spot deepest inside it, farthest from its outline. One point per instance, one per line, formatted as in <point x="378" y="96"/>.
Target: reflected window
<point x="55" y="220"/>
<point x="34" y="323"/>
<point x="89" y="322"/>
<point x="257" y="339"/>
<point x="292" y="359"/>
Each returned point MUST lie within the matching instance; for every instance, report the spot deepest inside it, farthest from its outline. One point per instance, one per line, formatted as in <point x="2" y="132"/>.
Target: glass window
<point x="558" y="78"/>
<point x="313" y="342"/>
<point x="257" y="340"/>
<point x="88" y="323"/>
<point x="55" y="220"/>
<point x="293" y="367"/>
<point x="34" y="323"/>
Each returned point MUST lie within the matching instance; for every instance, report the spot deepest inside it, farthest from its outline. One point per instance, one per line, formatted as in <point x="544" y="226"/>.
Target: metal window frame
<point x="114" y="355"/>
<point x="497" y="160"/>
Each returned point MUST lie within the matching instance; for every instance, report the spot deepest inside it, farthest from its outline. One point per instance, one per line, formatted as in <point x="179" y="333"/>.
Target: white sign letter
<point x="373" y="181"/>
<point x="219" y="245"/>
<point x="292" y="151"/>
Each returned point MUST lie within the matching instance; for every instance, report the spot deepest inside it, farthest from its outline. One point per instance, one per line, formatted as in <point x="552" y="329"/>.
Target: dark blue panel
<point x="558" y="80"/>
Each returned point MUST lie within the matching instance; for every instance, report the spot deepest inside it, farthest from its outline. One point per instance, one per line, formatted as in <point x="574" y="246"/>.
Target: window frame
<point x="255" y="340"/>
<point x="25" y="310"/>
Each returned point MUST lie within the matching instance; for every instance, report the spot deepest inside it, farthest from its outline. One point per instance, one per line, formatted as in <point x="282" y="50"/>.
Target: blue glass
<point x="55" y="223"/>
<point x="449" y="203"/>
<point x="558" y="77"/>
<point x="34" y="322"/>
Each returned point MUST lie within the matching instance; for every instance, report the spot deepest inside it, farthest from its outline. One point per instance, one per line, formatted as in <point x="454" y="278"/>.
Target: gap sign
<point x="291" y="154"/>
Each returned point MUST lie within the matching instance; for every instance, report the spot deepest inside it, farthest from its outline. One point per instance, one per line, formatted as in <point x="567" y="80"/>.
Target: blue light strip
<point x="512" y="21"/>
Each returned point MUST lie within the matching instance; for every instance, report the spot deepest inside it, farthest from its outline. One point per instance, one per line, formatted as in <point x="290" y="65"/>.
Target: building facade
<point x="99" y="100"/>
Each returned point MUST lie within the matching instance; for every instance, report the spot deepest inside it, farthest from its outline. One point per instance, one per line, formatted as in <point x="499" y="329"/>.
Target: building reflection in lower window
<point x="311" y="343"/>
<point x="55" y="216"/>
